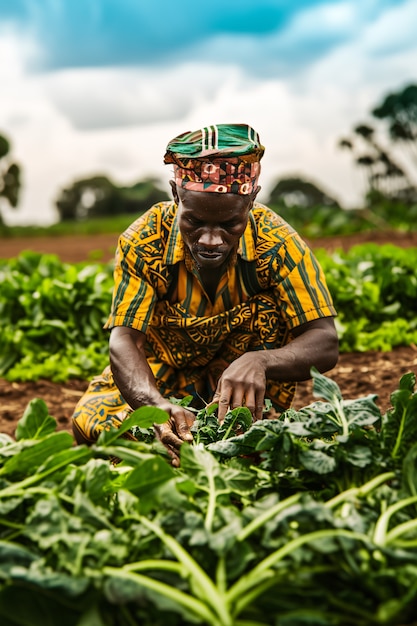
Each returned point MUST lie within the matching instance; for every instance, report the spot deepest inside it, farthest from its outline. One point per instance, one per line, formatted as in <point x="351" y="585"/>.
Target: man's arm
<point x="244" y="381"/>
<point x="135" y="380"/>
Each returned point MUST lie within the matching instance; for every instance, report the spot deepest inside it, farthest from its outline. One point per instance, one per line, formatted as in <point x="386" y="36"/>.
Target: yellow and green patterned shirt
<point x="275" y="285"/>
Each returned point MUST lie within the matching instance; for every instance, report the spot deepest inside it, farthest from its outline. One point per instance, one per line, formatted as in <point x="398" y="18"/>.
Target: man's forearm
<point x="131" y="371"/>
<point x="293" y="362"/>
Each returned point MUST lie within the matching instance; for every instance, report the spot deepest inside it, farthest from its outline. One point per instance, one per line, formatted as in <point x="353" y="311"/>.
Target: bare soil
<point x="357" y="374"/>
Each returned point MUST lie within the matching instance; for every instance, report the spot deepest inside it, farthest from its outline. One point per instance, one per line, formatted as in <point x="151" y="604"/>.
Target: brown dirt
<point x="71" y="249"/>
<point x="357" y="374"/>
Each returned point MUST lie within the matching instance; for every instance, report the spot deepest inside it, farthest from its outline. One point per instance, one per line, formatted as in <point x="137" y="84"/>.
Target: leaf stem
<point x="16" y="488"/>
<point x="399" y="434"/>
<point x="197" y="607"/>
<point x="401" y="529"/>
<point x="359" y="492"/>
<point x="341" y="414"/>
<point x="206" y="587"/>
<point x="258" y="574"/>
<point x="381" y="527"/>
<point x="267" y="515"/>
<point x="211" y="506"/>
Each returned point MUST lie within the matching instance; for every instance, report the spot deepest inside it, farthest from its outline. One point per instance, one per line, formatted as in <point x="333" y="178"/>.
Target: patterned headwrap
<point x="223" y="158"/>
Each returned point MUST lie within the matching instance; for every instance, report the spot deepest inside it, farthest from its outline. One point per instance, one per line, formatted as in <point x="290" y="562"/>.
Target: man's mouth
<point x="209" y="255"/>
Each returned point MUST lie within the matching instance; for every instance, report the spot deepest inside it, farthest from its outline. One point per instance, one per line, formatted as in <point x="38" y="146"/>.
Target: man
<point x="215" y="296"/>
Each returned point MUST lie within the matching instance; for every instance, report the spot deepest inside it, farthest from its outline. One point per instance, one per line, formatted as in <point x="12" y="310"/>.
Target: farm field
<point x="357" y="373"/>
<point x="318" y="505"/>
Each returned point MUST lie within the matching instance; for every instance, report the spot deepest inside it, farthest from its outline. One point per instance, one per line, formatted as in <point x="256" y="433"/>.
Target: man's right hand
<point x="176" y="430"/>
<point x="134" y="378"/>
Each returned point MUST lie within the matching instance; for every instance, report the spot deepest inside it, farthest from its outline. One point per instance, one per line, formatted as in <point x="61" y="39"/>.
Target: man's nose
<point x="210" y="238"/>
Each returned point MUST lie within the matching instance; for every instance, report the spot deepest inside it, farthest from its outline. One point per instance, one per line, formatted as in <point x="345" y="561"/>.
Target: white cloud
<point x="394" y="32"/>
<point x="335" y="20"/>
<point x="70" y="124"/>
<point x="94" y="98"/>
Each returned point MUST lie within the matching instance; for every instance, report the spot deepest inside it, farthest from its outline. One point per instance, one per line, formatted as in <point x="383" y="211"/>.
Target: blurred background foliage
<point x="9" y="175"/>
<point x="385" y="149"/>
<point x="100" y="197"/>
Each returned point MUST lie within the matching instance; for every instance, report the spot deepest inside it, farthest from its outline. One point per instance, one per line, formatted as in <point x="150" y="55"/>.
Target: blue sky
<point x="94" y="86"/>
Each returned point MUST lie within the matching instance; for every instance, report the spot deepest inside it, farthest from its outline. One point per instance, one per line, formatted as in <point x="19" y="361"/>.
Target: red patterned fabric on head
<point x="222" y="159"/>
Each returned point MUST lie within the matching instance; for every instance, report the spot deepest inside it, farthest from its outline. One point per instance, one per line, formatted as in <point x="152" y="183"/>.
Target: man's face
<point x="211" y="224"/>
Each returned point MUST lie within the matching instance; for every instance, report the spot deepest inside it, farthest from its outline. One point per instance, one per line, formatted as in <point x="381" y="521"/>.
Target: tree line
<point x="387" y="154"/>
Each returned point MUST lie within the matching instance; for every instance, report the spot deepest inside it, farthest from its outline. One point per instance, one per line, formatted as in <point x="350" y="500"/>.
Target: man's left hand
<point x="243" y="383"/>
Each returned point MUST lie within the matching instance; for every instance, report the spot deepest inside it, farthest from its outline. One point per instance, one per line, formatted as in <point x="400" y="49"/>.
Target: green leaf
<point x="35" y="422"/>
<point x="239" y="481"/>
<point x="14" y="555"/>
<point x="197" y="461"/>
<point x="324" y="387"/>
<point x="408" y="382"/>
<point x="317" y="461"/>
<point x="89" y="512"/>
<point x="262" y="435"/>
<point x="5" y="440"/>
<point x="399" y="424"/>
<point x="37" y="609"/>
<point x="64" y="458"/>
<point x="28" y="460"/>
<point x="148" y="476"/>
<point x="144" y="417"/>
<point x="360" y="456"/>
<point x="409" y="473"/>
<point x="361" y="411"/>
<point x="146" y="590"/>
<point x="98" y="477"/>
<point x="238" y="417"/>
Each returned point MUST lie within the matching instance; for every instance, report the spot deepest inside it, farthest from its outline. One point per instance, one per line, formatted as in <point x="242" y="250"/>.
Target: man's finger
<point x="180" y="424"/>
<point x="254" y="402"/>
<point x="162" y="434"/>
<point x="167" y="436"/>
<point x="224" y="405"/>
<point x="183" y="431"/>
<point x="259" y="412"/>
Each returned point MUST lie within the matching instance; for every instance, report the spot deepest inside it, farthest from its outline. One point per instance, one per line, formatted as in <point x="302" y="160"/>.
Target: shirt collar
<point x="174" y="251"/>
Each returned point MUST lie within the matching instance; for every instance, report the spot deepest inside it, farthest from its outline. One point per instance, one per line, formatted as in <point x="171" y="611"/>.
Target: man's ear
<point x="254" y="194"/>
<point x="174" y="191"/>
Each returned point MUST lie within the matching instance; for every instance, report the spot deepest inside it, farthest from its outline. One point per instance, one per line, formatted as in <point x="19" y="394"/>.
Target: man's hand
<point x="175" y="431"/>
<point x="243" y="383"/>
<point x="134" y="378"/>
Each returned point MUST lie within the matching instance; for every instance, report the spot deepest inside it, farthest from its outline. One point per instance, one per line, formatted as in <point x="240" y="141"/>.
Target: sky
<point x="100" y="86"/>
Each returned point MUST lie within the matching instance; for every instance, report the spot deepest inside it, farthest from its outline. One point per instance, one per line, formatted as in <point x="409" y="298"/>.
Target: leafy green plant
<point x="307" y="519"/>
<point x="374" y="290"/>
<point x="52" y="313"/>
<point x="52" y="317"/>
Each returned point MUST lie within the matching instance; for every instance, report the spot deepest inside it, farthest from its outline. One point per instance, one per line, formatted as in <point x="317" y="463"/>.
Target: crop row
<point x="52" y="313"/>
<point x="309" y="519"/>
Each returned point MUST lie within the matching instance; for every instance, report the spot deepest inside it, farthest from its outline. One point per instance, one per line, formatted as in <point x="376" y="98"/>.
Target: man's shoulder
<point x="156" y="223"/>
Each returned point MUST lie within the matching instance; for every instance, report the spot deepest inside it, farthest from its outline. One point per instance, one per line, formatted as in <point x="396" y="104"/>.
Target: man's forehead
<point x="230" y="205"/>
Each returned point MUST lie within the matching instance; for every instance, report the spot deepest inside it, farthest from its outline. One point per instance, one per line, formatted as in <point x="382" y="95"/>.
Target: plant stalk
<point x="381" y="527"/>
<point x="199" y="609"/>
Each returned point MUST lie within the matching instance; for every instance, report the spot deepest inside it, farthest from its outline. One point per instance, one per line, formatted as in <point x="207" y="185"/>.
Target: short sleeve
<point x="300" y="284"/>
<point x="133" y="294"/>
